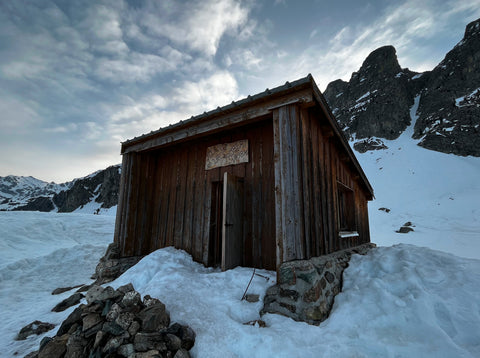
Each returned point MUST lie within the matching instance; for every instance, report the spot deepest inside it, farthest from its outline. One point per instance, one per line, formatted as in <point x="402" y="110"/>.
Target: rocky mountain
<point x="16" y="191"/>
<point x="377" y="100"/>
<point x="28" y="193"/>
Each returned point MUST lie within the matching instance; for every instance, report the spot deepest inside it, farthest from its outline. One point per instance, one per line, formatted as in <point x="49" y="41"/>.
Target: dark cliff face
<point x="449" y="110"/>
<point x="102" y="187"/>
<point x="376" y="102"/>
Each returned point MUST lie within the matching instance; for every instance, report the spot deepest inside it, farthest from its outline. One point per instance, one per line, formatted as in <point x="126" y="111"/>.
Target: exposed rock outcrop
<point x="449" y="110"/>
<point x="377" y="100"/>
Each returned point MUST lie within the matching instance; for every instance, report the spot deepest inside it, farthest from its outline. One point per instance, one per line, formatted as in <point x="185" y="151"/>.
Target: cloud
<point x="154" y="111"/>
<point x="410" y="26"/>
<point x="199" y="26"/>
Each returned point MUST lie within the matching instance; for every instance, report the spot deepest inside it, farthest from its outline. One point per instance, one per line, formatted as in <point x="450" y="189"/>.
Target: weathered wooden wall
<point x="166" y="196"/>
<point x="308" y="164"/>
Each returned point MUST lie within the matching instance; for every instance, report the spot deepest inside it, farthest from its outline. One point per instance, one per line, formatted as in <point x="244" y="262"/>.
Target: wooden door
<point x="232" y="228"/>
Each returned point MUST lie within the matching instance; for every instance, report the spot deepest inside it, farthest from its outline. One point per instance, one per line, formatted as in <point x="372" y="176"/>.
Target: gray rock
<point x="92" y="323"/>
<point x="60" y="290"/>
<point x="154" y="318"/>
<point x="134" y="328"/>
<point x="113" y="313"/>
<point x="76" y="346"/>
<point x="404" y="230"/>
<point x="182" y="353"/>
<point x="131" y="298"/>
<point x="125" y="319"/>
<point x="33" y="354"/>
<point x="55" y="348"/>
<point x="126" y="350"/>
<point x="251" y="297"/>
<point x="113" y="328"/>
<point x="98" y="293"/>
<point x="150" y="301"/>
<point x="112" y="345"/>
<point x="36" y="327"/>
<point x="126" y="288"/>
<point x="185" y="333"/>
<point x="174" y="343"/>
<point x="68" y="302"/>
<point x="144" y="342"/>
<point x="150" y="354"/>
<point x="74" y="317"/>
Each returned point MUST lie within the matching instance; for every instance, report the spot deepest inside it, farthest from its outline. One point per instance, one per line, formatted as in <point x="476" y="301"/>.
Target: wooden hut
<point x="265" y="180"/>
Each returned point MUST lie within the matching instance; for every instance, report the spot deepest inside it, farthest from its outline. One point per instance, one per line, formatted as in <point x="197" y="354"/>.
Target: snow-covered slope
<point x="438" y="193"/>
<point x="400" y="301"/>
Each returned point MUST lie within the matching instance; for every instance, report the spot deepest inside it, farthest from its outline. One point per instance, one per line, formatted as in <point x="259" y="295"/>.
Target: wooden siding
<point x="165" y="197"/>
<point x="309" y="162"/>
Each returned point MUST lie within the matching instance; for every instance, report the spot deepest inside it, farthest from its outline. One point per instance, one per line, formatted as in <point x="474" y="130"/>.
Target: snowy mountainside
<point x="19" y="190"/>
<point x="376" y="100"/>
<point x="97" y="191"/>
<point x="437" y="192"/>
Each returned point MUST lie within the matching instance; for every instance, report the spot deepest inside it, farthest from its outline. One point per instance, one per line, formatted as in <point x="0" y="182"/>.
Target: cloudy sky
<point x="79" y="77"/>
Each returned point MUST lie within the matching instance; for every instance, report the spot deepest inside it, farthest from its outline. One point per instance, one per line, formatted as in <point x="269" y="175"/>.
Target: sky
<point x="77" y="78"/>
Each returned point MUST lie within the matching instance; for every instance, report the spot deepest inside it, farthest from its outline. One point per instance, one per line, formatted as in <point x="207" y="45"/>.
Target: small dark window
<point x="346" y="209"/>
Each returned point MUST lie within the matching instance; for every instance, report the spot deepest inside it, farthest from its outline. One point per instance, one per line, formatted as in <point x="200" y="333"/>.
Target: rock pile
<point x="117" y="323"/>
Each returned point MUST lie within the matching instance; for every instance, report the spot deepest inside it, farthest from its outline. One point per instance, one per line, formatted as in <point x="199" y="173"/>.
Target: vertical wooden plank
<point x="267" y="207"/>
<point x="121" y="217"/>
<point x="306" y="162"/>
<point x="323" y="154"/>
<point x="278" y="163"/>
<point x="147" y="204"/>
<point x="189" y="200"/>
<point x="199" y="206"/>
<point x="249" y="192"/>
<point x="298" y="157"/>
<point x="181" y="198"/>
<point x="131" y="243"/>
<point x="174" y="159"/>
<point x="256" y="200"/>
<point x="316" y="173"/>
<point x="165" y="168"/>
<point x="286" y="183"/>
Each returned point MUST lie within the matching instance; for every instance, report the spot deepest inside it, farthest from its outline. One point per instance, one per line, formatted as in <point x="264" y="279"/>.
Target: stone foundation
<point x="112" y="265"/>
<point x="306" y="289"/>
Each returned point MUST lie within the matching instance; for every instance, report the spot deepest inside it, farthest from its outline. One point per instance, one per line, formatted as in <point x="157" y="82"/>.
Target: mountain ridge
<point x="20" y="193"/>
<point x="375" y="103"/>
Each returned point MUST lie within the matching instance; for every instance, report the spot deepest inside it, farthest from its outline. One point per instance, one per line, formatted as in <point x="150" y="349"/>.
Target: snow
<point x="363" y="96"/>
<point x="417" y="76"/>
<point x="399" y="301"/>
<point x="38" y="253"/>
<point x="437" y="192"/>
<point x="469" y="96"/>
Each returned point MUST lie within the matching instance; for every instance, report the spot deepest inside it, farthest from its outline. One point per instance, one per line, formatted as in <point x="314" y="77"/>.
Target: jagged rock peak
<point x="383" y="60"/>
<point x="472" y="29"/>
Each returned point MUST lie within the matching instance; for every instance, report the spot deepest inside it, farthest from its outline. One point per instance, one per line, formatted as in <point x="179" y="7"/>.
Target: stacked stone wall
<point x="306" y="289"/>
